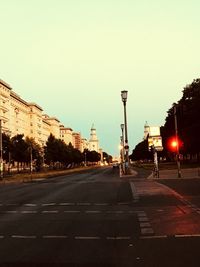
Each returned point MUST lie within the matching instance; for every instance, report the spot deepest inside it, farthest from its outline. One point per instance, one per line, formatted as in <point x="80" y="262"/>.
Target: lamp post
<point x="1" y="152"/>
<point x="177" y="144"/>
<point x="124" y="95"/>
<point x="122" y="146"/>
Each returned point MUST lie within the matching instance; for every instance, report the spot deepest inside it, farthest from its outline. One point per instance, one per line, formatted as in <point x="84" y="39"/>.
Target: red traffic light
<point x="174" y="143"/>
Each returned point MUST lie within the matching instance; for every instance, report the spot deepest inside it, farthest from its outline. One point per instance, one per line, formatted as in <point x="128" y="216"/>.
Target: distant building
<point x="76" y="140"/>
<point x="21" y="117"/>
<point x="93" y="142"/>
<point x="66" y="134"/>
<point x="146" y="130"/>
<point x="84" y="144"/>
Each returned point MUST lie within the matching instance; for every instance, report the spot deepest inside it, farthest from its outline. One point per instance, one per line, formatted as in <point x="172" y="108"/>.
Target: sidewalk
<point x="173" y="174"/>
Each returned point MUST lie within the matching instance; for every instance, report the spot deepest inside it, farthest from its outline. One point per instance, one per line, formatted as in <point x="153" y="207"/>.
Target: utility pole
<point x="1" y="152"/>
<point x="177" y="144"/>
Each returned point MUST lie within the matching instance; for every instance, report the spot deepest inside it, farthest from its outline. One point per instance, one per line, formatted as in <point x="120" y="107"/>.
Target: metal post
<point x="126" y="140"/>
<point x="1" y="152"/>
<point x="177" y="144"/>
<point x="31" y="161"/>
<point x="85" y="163"/>
<point x="156" y="169"/>
<point x="122" y="149"/>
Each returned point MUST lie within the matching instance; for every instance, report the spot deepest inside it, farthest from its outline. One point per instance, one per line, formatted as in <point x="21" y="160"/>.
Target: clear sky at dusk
<point x="73" y="58"/>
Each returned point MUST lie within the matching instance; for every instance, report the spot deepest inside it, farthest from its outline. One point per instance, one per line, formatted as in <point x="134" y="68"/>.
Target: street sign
<point x="155" y="141"/>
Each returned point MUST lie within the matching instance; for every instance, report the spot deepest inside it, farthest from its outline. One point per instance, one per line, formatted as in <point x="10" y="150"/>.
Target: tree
<point x="19" y="149"/>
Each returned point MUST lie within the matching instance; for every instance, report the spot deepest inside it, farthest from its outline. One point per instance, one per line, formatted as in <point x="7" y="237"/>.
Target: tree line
<point x="56" y="153"/>
<point x="188" y="126"/>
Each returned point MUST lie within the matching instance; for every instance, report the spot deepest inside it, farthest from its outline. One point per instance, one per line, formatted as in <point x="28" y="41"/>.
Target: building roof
<point x="5" y="84"/>
<point x="35" y="105"/>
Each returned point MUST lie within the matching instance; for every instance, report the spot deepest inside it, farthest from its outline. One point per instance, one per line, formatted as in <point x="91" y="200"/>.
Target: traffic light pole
<point x="177" y="144"/>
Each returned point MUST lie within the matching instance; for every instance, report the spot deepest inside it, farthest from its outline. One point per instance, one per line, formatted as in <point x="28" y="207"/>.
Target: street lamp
<point x="122" y="146"/>
<point x="1" y="152"/>
<point x="124" y="95"/>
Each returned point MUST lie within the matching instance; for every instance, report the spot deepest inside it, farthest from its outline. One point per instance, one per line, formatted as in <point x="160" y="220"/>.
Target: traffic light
<point x="173" y="143"/>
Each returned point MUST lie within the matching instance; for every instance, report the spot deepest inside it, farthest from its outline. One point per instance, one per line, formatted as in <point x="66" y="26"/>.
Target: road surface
<point x="96" y="218"/>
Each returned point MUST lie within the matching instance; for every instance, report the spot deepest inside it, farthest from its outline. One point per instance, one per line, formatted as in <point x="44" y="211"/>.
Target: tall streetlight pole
<point x="177" y="144"/>
<point x="124" y="95"/>
<point x="122" y="146"/>
<point x="1" y="152"/>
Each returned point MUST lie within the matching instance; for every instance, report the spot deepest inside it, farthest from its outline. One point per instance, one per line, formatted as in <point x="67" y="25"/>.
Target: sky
<point x="74" y="57"/>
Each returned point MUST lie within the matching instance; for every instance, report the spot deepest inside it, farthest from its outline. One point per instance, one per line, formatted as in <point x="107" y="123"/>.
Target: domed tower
<point x="93" y="142"/>
<point x="146" y="130"/>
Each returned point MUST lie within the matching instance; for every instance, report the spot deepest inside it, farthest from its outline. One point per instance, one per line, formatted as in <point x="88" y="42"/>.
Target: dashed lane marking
<point x="50" y="211"/>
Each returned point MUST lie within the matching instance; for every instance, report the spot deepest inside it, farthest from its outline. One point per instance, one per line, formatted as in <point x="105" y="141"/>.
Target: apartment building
<point x="20" y="117"/>
<point x="66" y="135"/>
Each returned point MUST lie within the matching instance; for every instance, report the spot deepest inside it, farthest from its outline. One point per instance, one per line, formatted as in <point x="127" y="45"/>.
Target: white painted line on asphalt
<point x="145" y="224"/>
<point x="55" y="236"/>
<point x="30" y="205"/>
<point x="10" y="211"/>
<point x="24" y="236"/>
<point x="143" y="219"/>
<point x="29" y="211"/>
<point x="50" y="211"/>
<point x="134" y="192"/>
<point x="118" y="237"/>
<point x="1" y="236"/>
<point x="67" y="204"/>
<point x="147" y="231"/>
<point x="153" y="237"/>
<point x="141" y="214"/>
<point x="87" y="237"/>
<point x="191" y="235"/>
<point x="48" y="204"/>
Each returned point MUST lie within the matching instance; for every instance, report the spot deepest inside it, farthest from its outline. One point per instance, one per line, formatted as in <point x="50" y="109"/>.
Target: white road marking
<point x="28" y="211"/>
<point x="153" y="237"/>
<point x="30" y="205"/>
<point x="50" y="211"/>
<point x="191" y="235"/>
<point x="66" y="204"/>
<point x="145" y="225"/>
<point x="147" y="231"/>
<point x="11" y="211"/>
<point x="143" y="219"/>
<point x="1" y="236"/>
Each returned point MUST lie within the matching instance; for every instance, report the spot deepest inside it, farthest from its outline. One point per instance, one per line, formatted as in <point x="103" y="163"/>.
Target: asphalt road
<point x="96" y="218"/>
